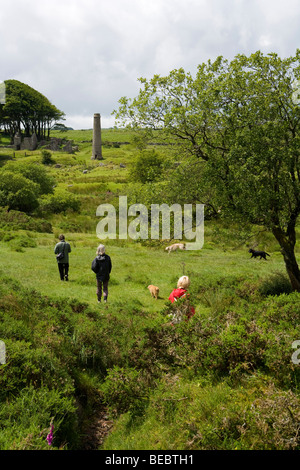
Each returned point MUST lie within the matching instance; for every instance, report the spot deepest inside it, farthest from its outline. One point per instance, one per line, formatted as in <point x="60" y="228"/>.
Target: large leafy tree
<point x="242" y="120"/>
<point x="28" y="110"/>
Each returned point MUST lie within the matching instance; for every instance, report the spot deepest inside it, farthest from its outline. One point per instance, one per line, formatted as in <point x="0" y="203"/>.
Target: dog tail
<point x="268" y="254"/>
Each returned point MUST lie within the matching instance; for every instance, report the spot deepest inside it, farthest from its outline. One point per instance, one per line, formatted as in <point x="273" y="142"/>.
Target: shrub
<point x="25" y="419"/>
<point x="196" y="415"/>
<point x="276" y="284"/>
<point x="18" y="192"/>
<point x="60" y="201"/>
<point x="125" y="390"/>
<point x="17" y="243"/>
<point x="16" y="220"/>
<point x="36" y="173"/>
<point x="46" y="157"/>
<point x="274" y="421"/>
<point x="147" y="167"/>
<point x="234" y="342"/>
<point x="83" y="224"/>
<point x="179" y="311"/>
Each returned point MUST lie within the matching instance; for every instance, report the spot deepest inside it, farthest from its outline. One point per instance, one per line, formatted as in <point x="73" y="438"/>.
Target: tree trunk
<point x="287" y="244"/>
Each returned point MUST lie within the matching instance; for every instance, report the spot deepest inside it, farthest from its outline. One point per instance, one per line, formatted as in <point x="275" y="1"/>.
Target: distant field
<point x="134" y="268"/>
<point x="107" y="135"/>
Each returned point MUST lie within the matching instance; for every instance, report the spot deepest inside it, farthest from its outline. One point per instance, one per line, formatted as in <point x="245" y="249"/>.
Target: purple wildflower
<point x="50" y="435"/>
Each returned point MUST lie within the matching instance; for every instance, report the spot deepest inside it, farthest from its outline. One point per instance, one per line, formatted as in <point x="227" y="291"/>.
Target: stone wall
<point x="29" y="143"/>
<point x="54" y="144"/>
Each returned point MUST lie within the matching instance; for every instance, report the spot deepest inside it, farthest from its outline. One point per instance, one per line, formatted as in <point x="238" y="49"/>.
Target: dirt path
<point x="96" y="430"/>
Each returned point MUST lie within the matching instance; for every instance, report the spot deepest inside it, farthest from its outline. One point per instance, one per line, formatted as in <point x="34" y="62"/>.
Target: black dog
<point x="255" y="254"/>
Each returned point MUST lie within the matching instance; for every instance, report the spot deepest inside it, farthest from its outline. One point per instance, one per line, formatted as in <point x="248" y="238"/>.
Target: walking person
<point x="62" y="250"/>
<point x="102" y="265"/>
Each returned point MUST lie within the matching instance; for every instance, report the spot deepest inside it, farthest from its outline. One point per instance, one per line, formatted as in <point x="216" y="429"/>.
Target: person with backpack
<point x="62" y="250"/>
<point x="102" y="265"/>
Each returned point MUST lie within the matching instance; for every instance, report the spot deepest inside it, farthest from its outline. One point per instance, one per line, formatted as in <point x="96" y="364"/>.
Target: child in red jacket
<point x="181" y="291"/>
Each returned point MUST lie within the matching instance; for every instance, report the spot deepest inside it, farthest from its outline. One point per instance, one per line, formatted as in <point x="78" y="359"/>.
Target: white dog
<point x="176" y="246"/>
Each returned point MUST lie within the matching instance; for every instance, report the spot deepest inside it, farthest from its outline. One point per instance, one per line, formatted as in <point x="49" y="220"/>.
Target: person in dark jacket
<point x="62" y="250"/>
<point x="102" y="265"/>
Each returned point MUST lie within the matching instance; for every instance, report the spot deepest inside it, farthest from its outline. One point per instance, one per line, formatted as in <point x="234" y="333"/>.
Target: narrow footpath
<point x="96" y="431"/>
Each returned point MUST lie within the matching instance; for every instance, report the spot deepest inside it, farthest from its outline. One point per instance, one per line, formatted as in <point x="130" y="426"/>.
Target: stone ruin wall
<point x="55" y="144"/>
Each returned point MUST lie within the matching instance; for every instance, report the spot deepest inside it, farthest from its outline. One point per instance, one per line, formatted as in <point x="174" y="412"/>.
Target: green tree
<point x="242" y="120"/>
<point x="27" y="109"/>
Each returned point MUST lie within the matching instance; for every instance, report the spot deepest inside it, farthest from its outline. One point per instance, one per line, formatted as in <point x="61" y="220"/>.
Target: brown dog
<point x="154" y="291"/>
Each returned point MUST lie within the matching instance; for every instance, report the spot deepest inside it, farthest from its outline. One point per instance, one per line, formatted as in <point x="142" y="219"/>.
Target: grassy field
<point x="134" y="268"/>
<point x="223" y="380"/>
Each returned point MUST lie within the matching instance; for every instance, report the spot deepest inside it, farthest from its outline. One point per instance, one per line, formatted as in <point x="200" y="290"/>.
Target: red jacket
<point x="177" y="294"/>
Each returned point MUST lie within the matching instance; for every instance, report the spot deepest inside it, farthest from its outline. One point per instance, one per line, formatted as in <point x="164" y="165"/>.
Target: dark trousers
<point x="63" y="270"/>
<point x="101" y="284"/>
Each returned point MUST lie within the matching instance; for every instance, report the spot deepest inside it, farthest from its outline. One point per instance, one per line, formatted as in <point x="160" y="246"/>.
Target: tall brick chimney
<point x="97" y="145"/>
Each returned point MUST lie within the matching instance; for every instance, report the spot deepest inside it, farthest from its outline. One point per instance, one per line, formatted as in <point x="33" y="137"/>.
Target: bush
<point x="60" y="201"/>
<point x="16" y="220"/>
<point x="198" y="415"/>
<point x="18" y="242"/>
<point x="125" y="390"/>
<point x="46" y="157"/>
<point x="147" y="167"/>
<point x="39" y="381"/>
<point x="179" y="311"/>
<point x="232" y="343"/>
<point x="276" y="284"/>
<point x="18" y="192"/>
<point x="36" y="173"/>
<point x="25" y="420"/>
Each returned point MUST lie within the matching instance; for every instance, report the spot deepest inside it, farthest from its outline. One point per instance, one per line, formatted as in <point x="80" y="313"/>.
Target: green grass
<point x="107" y="135"/>
<point x="220" y="381"/>
<point x="134" y="268"/>
<point x="194" y="415"/>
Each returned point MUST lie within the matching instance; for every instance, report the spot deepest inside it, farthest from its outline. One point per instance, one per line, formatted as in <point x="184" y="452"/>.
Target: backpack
<point x="95" y="266"/>
<point x="98" y="265"/>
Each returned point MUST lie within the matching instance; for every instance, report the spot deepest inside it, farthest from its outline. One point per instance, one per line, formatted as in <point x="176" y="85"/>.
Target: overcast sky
<point x="84" y="55"/>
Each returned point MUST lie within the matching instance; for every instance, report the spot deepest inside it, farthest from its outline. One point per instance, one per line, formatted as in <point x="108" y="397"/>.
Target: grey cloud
<point x="85" y="55"/>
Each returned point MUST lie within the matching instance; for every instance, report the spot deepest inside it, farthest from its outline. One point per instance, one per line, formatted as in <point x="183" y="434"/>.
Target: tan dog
<point x="176" y="246"/>
<point x="154" y="291"/>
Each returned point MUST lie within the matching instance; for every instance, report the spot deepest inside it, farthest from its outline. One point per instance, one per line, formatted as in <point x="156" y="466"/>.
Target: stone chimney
<point x="97" y="145"/>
